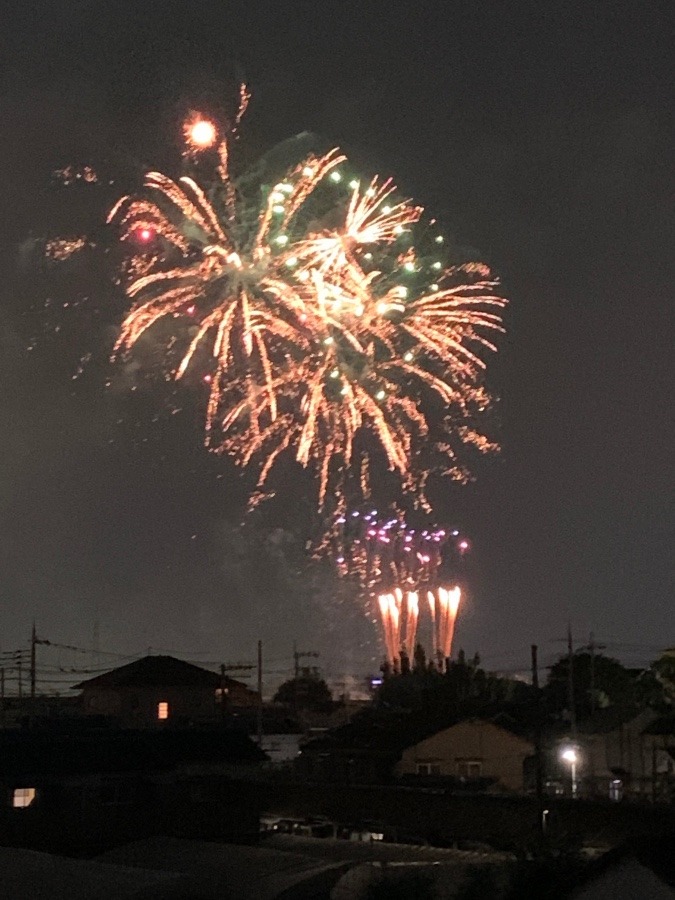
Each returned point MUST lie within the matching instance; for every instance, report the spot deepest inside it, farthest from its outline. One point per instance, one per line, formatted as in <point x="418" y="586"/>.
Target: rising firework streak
<point x="398" y="565"/>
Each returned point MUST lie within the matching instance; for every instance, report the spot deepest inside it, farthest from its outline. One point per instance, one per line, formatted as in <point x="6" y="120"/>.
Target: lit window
<point x="162" y="710"/>
<point x="23" y="797"/>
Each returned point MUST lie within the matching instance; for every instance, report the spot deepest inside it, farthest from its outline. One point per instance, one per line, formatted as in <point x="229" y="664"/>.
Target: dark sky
<point x="540" y="133"/>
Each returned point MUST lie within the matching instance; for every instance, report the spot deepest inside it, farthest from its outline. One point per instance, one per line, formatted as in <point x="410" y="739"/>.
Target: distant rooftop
<point x="157" y="671"/>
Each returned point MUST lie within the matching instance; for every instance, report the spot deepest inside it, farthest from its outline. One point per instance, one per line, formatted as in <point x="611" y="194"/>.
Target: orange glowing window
<point x="162" y="710"/>
<point x="23" y="797"/>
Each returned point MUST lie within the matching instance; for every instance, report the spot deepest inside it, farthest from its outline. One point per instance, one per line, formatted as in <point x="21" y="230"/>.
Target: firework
<point x="200" y="134"/>
<point x="391" y="565"/>
<point x="381" y="552"/>
<point x="395" y="606"/>
<point x="60" y="249"/>
<point x="72" y="174"/>
<point x="444" y="606"/>
<point x="320" y="331"/>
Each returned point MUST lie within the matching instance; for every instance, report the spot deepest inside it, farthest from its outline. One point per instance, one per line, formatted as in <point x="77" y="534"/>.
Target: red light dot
<point x="145" y="235"/>
<point x="208" y="379"/>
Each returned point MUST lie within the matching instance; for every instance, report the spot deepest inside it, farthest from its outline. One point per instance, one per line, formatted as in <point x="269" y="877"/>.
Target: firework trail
<point x="392" y="565"/>
<point x="322" y="333"/>
<point x="444" y="606"/>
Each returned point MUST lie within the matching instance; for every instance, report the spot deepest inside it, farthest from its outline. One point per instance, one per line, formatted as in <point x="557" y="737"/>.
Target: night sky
<point x="538" y="133"/>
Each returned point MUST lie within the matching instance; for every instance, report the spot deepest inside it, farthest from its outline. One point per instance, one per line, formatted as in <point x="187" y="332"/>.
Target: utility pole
<point x="592" y="647"/>
<point x="259" y="722"/>
<point x="96" y="646"/>
<point x="224" y="690"/>
<point x="297" y="656"/>
<point x="33" y="645"/>
<point x="538" y="761"/>
<point x="301" y="654"/>
<point x="570" y="682"/>
<point x="223" y="693"/>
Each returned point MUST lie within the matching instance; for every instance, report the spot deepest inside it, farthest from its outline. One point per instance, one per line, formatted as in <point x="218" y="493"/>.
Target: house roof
<point x="49" y="752"/>
<point x="27" y="874"/>
<point x="643" y="869"/>
<point x="218" y="870"/>
<point x="389" y="732"/>
<point x="159" y="671"/>
<point x="502" y="723"/>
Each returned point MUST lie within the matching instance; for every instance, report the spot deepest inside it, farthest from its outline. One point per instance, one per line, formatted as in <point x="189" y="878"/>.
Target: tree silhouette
<point x="599" y="682"/>
<point x="308" y="691"/>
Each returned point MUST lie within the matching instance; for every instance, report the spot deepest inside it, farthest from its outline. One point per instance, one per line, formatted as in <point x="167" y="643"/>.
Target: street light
<point x="570" y="755"/>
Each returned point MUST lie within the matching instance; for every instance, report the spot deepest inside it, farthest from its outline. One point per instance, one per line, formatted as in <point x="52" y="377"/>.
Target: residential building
<point x="470" y="750"/>
<point x="79" y="789"/>
<point x="621" y="756"/>
<point x="157" y="691"/>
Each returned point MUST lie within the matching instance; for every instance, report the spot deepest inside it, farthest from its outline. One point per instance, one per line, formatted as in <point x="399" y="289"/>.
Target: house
<point x="622" y="755"/>
<point x="161" y="690"/>
<point x="81" y="788"/>
<point x="659" y="738"/>
<point x="471" y="750"/>
<point x="363" y="751"/>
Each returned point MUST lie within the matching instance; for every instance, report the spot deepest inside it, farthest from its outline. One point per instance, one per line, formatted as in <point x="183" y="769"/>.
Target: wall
<point x="137" y="706"/>
<point x="643" y="756"/>
<point x="134" y="707"/>
<point x="505" y="821"/>
<point x="104" y="811"/>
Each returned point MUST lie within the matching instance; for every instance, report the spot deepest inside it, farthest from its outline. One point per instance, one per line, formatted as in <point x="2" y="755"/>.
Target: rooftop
<point x="48" y="752"/>
<point x="158" y="671"/>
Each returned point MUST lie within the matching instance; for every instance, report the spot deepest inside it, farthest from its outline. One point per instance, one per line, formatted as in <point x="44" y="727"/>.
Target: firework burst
<point x="322" y="333"/>
<point x="395" y="568"/>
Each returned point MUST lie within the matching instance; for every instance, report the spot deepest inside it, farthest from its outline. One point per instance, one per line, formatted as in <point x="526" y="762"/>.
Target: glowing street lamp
<point x="570" y="755"/>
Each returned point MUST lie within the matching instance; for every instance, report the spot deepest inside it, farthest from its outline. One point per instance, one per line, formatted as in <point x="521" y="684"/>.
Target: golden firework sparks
<point x="200" y="133"/>
<point x="60" y="249"/>
<point x="330" y="337"/>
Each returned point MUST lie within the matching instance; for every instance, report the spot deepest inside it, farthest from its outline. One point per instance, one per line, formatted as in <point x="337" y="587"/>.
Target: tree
<point x="663" y="671"/>
<point x="599" y="682"/>
<point x="463" y="688"/>
<point x="420" y="660"/>
<point x="308" y="691"/>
